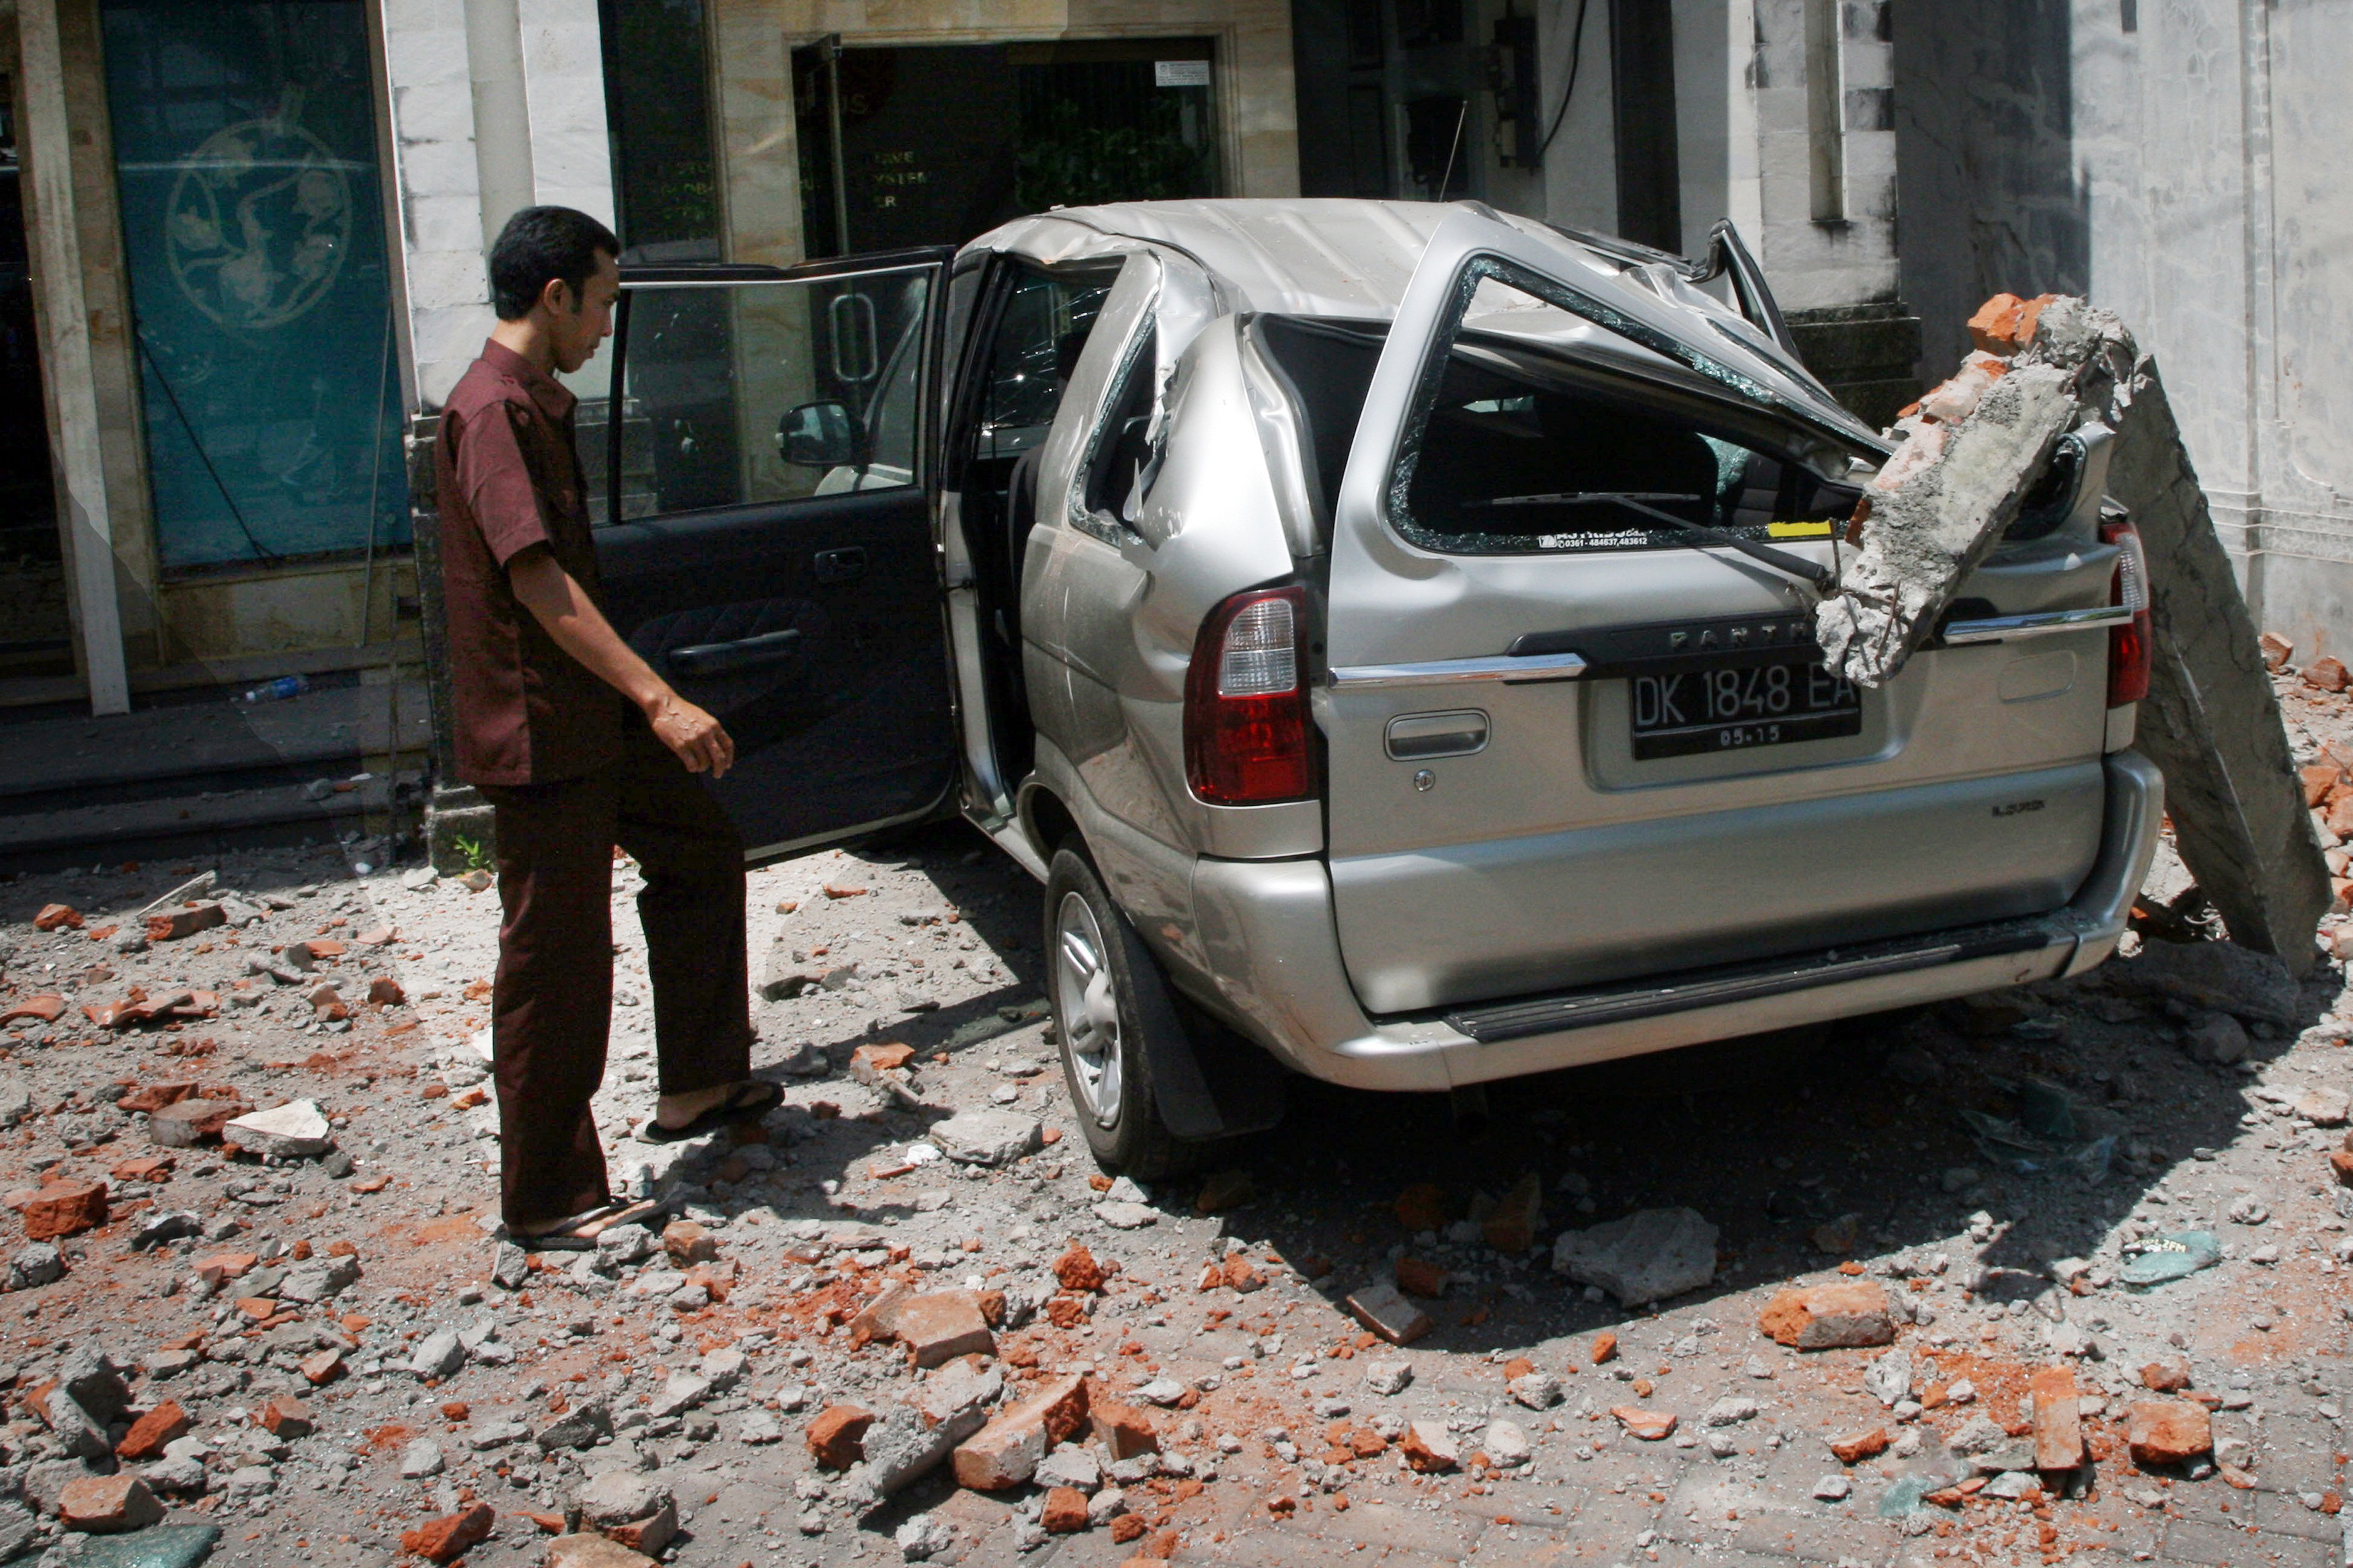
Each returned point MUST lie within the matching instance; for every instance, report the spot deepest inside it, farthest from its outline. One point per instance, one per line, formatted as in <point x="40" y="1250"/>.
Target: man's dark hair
<point x="540" y="245"/>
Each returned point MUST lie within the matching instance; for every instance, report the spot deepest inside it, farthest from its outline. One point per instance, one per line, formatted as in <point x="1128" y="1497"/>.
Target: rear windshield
<point x="1525" y="453"/>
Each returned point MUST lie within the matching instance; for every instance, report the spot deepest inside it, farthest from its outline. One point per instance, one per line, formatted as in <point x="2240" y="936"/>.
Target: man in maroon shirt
<point x="579" y="746"/>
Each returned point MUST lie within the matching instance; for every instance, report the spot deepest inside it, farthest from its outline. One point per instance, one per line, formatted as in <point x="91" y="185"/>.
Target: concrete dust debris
<point x="1647" y="1256"/>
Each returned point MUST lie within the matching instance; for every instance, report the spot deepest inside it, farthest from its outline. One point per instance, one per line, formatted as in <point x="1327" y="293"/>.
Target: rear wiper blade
<point x="1797" y="566"/>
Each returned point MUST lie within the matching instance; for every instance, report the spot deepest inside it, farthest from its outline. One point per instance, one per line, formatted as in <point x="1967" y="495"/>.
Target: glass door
<point x="245" y="147"/>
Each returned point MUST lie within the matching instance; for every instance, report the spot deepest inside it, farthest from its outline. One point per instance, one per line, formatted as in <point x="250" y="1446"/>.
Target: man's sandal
<point x="751" y="1101"/>
<point x="579" y="1233"/>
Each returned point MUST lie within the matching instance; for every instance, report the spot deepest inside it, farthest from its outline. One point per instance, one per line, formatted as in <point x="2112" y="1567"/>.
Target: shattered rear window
<point x="1525" y="452"/>
<point x="1515" y="458"/>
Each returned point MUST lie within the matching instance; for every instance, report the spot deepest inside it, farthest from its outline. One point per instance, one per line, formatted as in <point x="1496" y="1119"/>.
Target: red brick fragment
<point x="1824" y="1316"/>
<point x="1417" y="1277"/>
<point x="838" y="1436"/>
<point x="1605" y="1348"/>
<point x="1123" y="1429"/>
<point x="2327" y="674"/>
<point x="171" y="925"/>
<point x="108" y="1505"/>
<point x="1066" y="1508"/>
<point x="1857" y="1446"/>
<point x="2058" y="1419"/>
<point x="1650" y="1426"/>
<point x="1005" y="1452"/>
<point x="156" y="1096"/>
<point x="285" y="1417"/>
<point x="148" y="1435"/>
<point x="451" y="1537"/>
<point x="41" y="1009"/>
<point x="1078" y="1270"/>
<point x="65" y="1208"/>
<point x="1422" y="1207"/>
<point x="2168" y="1431"/>
<point x="58" y="917"/>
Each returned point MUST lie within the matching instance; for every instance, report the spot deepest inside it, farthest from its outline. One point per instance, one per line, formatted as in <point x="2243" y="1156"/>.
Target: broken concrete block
<point x="1008" y="1451"/>
<point x="985" y="1137"/>
<point x="904" y="1444"/>
<point x="2223" y="976"/>
<point x="616" y="1498"/>
<point x="1971" y="453"/>
<point x="1646" y="1256"/>
<point x="2212" y="720"/>
<point x="1383" y="1308"/>
<point x="593" y="1551"/>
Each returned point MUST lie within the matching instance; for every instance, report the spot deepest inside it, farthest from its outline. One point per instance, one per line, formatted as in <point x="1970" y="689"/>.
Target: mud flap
<point x="1207" y="1082"/>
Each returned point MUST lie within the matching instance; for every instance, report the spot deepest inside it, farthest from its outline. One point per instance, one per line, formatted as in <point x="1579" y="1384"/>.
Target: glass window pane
<point x="718" y="375"/>
<point x="1037" y="342"/>
<point x="246" y="156"/>
<point x="1521" y="451"/>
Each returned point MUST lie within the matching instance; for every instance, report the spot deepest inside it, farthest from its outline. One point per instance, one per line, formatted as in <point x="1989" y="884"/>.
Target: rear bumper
<point x="1274" y="957"/>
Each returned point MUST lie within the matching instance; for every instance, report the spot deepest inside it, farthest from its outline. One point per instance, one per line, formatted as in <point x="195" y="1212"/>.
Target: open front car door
<point x="763" y="475"/>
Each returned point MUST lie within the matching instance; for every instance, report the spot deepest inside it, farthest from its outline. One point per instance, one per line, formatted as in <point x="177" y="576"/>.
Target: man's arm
<point x="580" y="629"/>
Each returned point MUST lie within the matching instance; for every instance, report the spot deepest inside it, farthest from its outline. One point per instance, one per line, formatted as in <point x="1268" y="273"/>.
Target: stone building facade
<point x="1890" y="161"/>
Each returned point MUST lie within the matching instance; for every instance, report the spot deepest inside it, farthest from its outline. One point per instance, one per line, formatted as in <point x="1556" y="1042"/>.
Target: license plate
<point x="1728" y="708"/>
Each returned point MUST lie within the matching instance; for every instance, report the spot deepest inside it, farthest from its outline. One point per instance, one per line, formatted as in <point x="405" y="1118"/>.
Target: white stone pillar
<point x="564" y="91"/>
<point x="496" y="105"/>
<point x="66" y="357"/>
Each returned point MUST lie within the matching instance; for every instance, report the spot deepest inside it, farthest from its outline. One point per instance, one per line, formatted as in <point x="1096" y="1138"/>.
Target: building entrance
<point x="933" y="144"/>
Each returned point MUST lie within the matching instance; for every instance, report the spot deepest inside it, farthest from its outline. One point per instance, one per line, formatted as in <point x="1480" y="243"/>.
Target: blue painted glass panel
<point x="245" y="147"/>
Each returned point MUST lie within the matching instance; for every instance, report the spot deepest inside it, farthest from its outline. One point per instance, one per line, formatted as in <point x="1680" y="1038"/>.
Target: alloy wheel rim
<point x="1088" y="1002"/>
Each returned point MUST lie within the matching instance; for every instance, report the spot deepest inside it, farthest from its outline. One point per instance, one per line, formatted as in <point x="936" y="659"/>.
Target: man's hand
<point x="695" y="737"/>
<point x="580" y="629"/>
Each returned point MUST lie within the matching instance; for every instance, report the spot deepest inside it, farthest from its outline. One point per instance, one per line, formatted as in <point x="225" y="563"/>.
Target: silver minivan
<point x="1386" y="628"/>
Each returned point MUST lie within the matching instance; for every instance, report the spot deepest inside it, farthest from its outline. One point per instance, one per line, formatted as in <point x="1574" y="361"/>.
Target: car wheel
<point x="1095" y="964"/>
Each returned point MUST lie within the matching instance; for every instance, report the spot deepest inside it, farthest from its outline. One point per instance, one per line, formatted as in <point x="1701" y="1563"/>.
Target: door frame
<point x="927" y="456"/>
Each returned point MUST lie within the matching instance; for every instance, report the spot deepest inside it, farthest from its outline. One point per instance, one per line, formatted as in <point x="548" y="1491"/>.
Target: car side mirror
<point x="818" y="435"/>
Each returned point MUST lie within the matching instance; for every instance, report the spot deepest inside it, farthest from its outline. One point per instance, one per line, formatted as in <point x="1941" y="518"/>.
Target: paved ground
<point x="2188" y="1108"/>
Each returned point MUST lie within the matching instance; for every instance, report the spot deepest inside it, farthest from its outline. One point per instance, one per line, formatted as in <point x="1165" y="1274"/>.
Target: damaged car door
<point x="764" y="530"/>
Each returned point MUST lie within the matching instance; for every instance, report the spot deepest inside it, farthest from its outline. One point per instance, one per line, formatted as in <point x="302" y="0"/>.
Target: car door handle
<point x="846" y="564"/>
<point x="729" y="658"/>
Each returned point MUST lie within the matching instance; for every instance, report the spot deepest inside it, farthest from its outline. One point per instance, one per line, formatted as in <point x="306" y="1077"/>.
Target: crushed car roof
<point x="1351" y="259"/>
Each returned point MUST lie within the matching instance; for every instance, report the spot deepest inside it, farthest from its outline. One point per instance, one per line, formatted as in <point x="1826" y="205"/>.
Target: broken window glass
<point x="1516" y="450"/>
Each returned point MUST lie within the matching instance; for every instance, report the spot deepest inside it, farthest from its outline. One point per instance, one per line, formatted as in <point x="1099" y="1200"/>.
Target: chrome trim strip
<point x="1689" y="993"/>
<point x="1510" y="670"/>
<point x="2001" y="629"/>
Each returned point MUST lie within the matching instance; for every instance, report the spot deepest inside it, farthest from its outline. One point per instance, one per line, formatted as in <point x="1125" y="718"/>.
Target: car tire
<point x="1095" y="967"/>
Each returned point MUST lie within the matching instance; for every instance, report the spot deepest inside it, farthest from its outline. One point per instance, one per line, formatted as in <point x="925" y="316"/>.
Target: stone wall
<point x="2183" y="173"/>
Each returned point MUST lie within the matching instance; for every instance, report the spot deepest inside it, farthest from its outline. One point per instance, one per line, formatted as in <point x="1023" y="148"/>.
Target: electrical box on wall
<point x="1511" y="78"/>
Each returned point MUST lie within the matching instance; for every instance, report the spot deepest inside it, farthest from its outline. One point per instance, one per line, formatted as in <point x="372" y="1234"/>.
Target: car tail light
<point x="1245" y="740"/>
<point x="2132" y="650"/>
